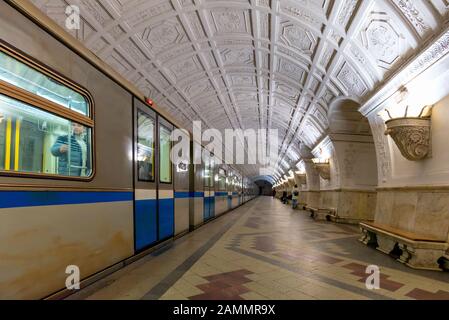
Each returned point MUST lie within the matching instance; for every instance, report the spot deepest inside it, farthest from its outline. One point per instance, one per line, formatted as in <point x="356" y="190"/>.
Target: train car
<point x="85" y="171"/>
<point x="66" y="163"/>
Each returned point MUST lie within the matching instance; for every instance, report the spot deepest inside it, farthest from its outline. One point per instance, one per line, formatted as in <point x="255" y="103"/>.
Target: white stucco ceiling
<point x="255" y="63"/>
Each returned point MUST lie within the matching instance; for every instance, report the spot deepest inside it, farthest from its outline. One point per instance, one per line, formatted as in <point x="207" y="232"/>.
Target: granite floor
<point x="266" y="250"/>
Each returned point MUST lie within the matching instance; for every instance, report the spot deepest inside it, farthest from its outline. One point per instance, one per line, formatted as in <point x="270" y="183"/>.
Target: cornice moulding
<point x="351" y="137"/>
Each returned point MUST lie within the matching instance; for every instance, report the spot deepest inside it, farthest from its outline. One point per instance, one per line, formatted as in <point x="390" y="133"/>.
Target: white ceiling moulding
<point x="254" y="64"/>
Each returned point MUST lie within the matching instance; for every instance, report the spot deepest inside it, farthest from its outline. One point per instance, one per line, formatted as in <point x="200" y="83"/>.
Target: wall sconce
<point x="409" y="130"/>
<point x="323" y="167"/>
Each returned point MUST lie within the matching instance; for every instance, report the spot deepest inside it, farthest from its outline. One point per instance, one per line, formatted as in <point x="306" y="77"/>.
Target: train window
<point x="39" y="142"/>
<point x="46" y="124"/>
<point x="145" y="147"/>
<point x="208" y="178"/>
<point x="207" y="175"/>
<point x="25" y="77"/>
<point x="222" y="179"/>
<point x="208" y="172"/>
<point x="165" y="168"/>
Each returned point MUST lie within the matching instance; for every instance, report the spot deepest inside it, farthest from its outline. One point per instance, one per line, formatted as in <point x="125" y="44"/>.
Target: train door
<point x="239" y="190"/>
<point x="145" y="176"/>
<point x="182" y="193"/>
<point x="232" y="179"/>
<point x="229" y="189"/>
<point x="209" y="192"/>
<point x="166" y="206"/>
<point x="197" y="212"/>
<point x="221" y="194"/>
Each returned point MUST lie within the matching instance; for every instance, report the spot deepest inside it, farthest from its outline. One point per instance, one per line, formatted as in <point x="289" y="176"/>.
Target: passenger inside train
<point x="145" y="147"/>
<point x="73" y="152"/>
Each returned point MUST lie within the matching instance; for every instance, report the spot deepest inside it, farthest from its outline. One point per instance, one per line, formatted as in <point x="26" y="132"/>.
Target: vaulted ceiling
<point x="255" y="63"/>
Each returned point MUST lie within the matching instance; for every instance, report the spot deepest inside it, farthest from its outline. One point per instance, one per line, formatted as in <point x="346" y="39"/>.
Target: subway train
<point x="85" y="171"/>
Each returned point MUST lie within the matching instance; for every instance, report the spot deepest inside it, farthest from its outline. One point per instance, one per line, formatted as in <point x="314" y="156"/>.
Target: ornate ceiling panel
<point x="255" y="63"/>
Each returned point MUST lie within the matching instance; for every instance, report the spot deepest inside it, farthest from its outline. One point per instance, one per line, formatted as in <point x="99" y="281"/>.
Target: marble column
<point x="350" y="193"/>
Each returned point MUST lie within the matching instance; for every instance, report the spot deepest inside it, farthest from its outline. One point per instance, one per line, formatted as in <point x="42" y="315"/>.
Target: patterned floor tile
<point x="266" y="250"/>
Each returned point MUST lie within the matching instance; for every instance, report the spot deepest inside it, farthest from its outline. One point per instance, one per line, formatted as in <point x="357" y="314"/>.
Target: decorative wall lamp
<point x="323" y="167"/>
<point x="409" y="127"/>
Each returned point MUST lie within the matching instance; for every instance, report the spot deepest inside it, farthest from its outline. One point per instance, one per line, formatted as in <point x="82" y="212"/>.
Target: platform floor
<point x="266" y="250"/>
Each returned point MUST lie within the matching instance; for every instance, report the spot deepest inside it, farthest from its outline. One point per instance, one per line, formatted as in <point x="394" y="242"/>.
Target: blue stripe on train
<point x="166" y="218"/>
<point x="146" y="223"/>
<point x="15" y="199"/>
<point x="188" y="194"/>
<point x="183" y="194"/>
<point x="221" y="193"/>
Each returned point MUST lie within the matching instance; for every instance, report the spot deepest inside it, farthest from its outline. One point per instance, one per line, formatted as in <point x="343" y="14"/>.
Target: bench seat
<point x="402" y="233"/>
<point x="419" y="251"/>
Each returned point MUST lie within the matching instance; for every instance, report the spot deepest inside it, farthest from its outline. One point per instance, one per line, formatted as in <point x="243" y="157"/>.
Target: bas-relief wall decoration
<point x="412" y="137"/>
<point x="254" y="58"/>
<point x="348" y="161"/>
<point x="357" y="163"/>
<point x="382" y="148"/>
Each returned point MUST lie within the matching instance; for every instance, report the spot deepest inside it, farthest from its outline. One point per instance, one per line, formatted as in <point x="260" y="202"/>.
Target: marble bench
<point x="321" y="214"/>
<point x="416" y="250"/>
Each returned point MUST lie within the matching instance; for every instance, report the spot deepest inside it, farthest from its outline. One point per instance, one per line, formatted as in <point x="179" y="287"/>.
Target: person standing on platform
<point x="295" y="196"/>
<point x="284" y="197"/>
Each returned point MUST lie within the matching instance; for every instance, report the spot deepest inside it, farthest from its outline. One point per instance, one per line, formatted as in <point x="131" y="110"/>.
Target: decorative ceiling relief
<point x="414" y="15"/>
<point x="352" y="82"/>
<point x="297" y="38"/>
<point x="291" y="69"/>
<point x="250" y="64"/>
<point x="186" y="68"/>
<point x="304" y="13"/>
<point x="346" y="11"/>
<point x="236" y="56"/>
<point x="230" y="21"/>
<point x="159" y="37"/>
<point x="382" y="40"/>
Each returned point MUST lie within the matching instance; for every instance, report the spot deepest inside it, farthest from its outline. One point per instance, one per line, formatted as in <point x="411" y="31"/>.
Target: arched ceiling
<point x="268" y="179"/>
<point x="255" y="63"/>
